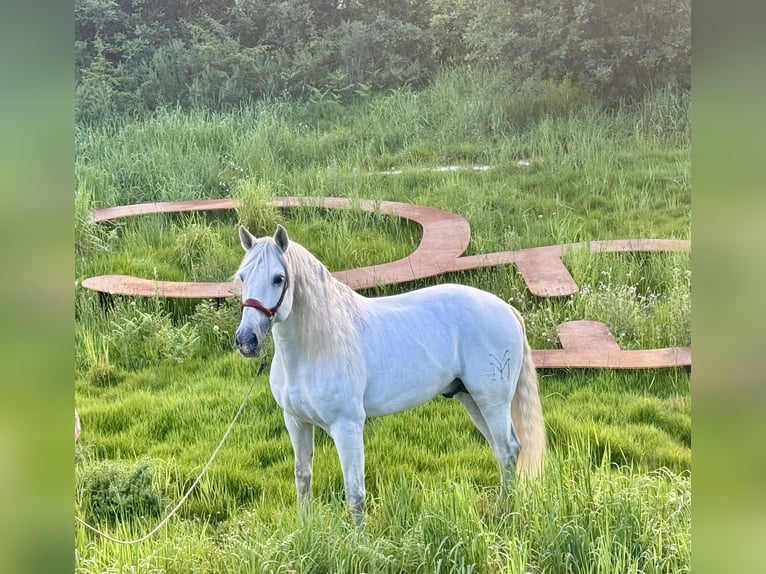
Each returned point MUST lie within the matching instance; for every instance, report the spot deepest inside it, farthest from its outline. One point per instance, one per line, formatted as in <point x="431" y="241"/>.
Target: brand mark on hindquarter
<point x="500" y="368"/>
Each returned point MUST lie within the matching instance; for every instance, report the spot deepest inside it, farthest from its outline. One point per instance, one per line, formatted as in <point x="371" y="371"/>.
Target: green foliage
<point x="254" y="209"/>
<point x="96" y="90"/>
<point x="645" y="301"/>
<point x="613" y="50"/>
<point x="142" y="337"/>
<point x="110" y="492"/>
<point x="216" y="322"/>
<point x="90" y="237"/>
<point x="135" y="56"/>
<point x="639" y="312"/>
<point x="98" y="369"/>
<point x="580" y="517"/>
<point x="200" y="251"/>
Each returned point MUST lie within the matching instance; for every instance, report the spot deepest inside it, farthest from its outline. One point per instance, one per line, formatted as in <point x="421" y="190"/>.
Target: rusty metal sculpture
<point x="445" y="237"/>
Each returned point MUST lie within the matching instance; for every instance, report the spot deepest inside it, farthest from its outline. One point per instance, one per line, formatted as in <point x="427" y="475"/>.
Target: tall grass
<point x="580" y="517"/>
<point x="157" y="381"/>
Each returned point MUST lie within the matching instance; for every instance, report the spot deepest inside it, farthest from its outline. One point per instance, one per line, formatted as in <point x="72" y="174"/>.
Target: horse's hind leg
<point x="302" y="439"/>
<point x="505" y="443"/>
<point x="478" y="419"/>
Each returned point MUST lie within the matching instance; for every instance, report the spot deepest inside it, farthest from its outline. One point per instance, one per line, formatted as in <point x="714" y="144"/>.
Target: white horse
<point x="340" y="357"/>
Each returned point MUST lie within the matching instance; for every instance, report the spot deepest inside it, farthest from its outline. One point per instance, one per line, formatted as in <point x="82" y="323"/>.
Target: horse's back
<point x="417" y="344"/>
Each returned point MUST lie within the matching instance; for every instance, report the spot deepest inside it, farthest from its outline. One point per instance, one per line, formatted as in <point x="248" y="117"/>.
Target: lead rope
<point x="201" y="474"/>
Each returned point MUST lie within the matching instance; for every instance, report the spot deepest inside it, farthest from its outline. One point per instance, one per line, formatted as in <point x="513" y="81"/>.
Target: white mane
<point x="326" y="309"/>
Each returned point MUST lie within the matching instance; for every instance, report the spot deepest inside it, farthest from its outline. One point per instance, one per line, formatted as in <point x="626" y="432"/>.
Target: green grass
<point x="584" y="516"/>
<point x="156" y="381"/>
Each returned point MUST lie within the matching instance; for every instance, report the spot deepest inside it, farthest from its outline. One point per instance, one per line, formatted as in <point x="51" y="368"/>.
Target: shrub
<point x="201" y="252"/>
<point x="136" y="55"/>
<point x="111" y="492"/>
<point x="144" y="338"/>
<point x="99" y="370"/>
<point x="612" y="49"/>
<point x="95" y="93"/>
<point x="216" y="323"/>
<point x="254" y="209"/>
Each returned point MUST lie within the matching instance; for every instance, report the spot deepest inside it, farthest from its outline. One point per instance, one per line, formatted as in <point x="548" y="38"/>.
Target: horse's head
<point x="266" y="290"/>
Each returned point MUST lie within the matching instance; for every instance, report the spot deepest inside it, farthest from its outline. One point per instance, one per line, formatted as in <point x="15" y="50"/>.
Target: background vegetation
<point x="134" y="56"/>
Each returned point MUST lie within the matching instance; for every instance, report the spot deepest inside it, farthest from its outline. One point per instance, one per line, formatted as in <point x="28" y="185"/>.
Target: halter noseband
<point x="269" y="312"/>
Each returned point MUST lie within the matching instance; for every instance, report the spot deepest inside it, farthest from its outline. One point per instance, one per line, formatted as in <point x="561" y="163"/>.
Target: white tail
<point x="527" y="415"/>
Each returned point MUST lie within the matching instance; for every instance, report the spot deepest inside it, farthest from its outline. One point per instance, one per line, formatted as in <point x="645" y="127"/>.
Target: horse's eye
<point x="278" y="280"/>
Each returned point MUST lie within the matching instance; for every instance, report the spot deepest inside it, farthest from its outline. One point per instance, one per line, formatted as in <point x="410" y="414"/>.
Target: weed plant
<point x="157" y="381"/>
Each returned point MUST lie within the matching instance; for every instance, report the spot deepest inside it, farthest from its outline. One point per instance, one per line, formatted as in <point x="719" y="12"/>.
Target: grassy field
<point x="157" y="381"/>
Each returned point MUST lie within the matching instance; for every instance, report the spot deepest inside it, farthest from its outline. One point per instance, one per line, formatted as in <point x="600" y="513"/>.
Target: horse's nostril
<point x="246" y="340"/>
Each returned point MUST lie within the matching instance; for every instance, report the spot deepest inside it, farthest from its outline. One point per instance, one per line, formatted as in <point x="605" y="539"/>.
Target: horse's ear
<point x="281" y="238"/>
<point x="246" y="238"/>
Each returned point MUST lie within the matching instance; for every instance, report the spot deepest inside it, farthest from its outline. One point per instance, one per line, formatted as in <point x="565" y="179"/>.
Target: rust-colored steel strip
<point x="445" y="237"/>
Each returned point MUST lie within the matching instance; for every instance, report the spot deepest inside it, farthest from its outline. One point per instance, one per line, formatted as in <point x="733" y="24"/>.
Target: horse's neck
<point x="322" y="320"/>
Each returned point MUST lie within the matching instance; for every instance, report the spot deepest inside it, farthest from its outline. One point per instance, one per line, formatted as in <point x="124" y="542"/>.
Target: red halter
<point x="269" y="312"/>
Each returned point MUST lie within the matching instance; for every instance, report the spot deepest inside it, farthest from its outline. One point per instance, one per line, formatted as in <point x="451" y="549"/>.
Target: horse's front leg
<point x="302" y="437"/>
<point x="349" y="441"/>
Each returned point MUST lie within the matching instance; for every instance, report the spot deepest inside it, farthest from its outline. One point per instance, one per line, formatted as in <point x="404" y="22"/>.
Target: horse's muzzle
<point x="247" y="345"/>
